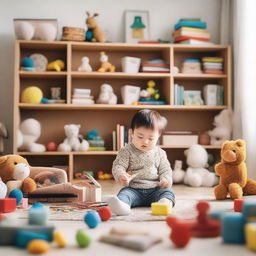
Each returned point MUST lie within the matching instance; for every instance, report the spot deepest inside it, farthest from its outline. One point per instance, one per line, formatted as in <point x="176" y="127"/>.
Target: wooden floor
<point x="196" y="247"/>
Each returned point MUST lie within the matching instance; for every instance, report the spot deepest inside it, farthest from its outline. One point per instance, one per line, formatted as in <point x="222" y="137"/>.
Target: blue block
<point x="249" y="210"/>
<point x="216" y="214"/>
<point x="38" y="215"/>
<point x="17" y="194"/>
<point x="232" y="229"/>
<point x="92" y="219"/>
<point x="23" y="238"/>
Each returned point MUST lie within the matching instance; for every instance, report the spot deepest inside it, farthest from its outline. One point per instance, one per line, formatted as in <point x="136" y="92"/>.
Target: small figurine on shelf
<point x="56" y="65"/>
<point x="85" y="66"/>
<point x="106" y="66"/>
<point x="28" y="64"/>
<point x="96" y="142"/>
<point x="107" y="95"/>
<point x="150" y="95"/>
<point x="94" y="32"/>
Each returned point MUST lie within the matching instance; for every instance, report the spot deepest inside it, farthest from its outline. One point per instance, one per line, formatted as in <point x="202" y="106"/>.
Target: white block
<point x="130" y="64"/>
<point x="130" y="94"/>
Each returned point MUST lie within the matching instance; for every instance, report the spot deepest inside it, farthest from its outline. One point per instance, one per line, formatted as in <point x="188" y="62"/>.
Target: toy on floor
<point x="92" y="219"/>
<point x="74" y="141"/>
<point x="223" y="128"/>
<point x="56" y="65"/>
<point x="7" y="205"/>
<point x="105" y="213"/>
<point x="196" y="174"/>
<point x="14" y="172"/>
<point x="178" y="174"/>
<point x="32" y="95"/>
<point x="28" y="134"/>
<point x="85" y="66"/>
<point x="160" y="209"/>
<point x="238" y="205"/>
<point x="59" y="239"/>
<point x="17" y="195"/>
<point x="94" y="32"/>
<point x="233" y="172"/>
<point x="82" y="239"/>
<point x="107" y="95"/>
<point x="203" y="226"/>
<point x="38" y="246"/>
<point x="106" y="66"/>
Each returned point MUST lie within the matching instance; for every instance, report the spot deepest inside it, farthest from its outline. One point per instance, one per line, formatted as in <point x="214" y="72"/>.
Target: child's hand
<point x="123" y="179"/>
<point x="163" y="183"/>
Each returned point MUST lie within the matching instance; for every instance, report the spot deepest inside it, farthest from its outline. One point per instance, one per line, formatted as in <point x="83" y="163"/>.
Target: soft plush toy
<point x="107" y="95"/>
<point x="223" y="128"/>
<point x="177" y="173"/>
<point x="56" y="65"/>
<point x="233" y="173"/>
<point x="106" y="66"/>
<point x="93" y="28"/>
<point x="85" y="66"/>
<point x="14" y="172"/>
<point x="28" y="134"/>
<point x="72" y="142"/>
<point x="196" y="174"/>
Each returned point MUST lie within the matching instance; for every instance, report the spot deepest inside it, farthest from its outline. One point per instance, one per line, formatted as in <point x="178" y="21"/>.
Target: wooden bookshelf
<point x="104" y="117"/>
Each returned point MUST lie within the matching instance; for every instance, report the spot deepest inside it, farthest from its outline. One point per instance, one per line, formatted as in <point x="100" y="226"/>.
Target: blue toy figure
<point x="89" y="35"/>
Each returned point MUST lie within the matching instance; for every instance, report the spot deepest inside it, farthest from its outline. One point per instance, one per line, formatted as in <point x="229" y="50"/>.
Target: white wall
<point x="163" y="15"/>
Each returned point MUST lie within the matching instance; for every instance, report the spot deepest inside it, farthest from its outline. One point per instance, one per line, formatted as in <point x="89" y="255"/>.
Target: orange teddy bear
<point x="233" y="172"/>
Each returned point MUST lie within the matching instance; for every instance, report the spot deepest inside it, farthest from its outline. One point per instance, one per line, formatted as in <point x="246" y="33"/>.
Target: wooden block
<point x="160" y="209"/>
<point x="250" y="236"/>
<point x="7" y="205"/>
<point x="238" y="205"/>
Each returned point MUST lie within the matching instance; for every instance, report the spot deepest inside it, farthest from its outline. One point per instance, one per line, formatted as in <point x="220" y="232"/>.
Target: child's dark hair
<point x="149" y="119"/>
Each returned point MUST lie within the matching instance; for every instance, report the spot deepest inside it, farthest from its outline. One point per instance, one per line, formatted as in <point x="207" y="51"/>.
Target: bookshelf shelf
<point x="105" y="117"/>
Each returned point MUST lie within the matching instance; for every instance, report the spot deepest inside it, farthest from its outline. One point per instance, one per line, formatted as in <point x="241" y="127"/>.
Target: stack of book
<point x="120" y="137"/>
<point x="212" y="65"/>
<point x="155" y="66"/>
<point x="178" y="94"/>
<point x="213" y="94"/>
<point x="191" y="29"/>
<point x="82" y="96"/>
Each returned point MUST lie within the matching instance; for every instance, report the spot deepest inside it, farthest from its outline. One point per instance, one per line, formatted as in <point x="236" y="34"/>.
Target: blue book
<point x="193" y="24"/>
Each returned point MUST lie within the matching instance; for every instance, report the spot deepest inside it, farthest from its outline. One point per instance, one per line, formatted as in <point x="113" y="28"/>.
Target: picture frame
<point x="136" y="26"/>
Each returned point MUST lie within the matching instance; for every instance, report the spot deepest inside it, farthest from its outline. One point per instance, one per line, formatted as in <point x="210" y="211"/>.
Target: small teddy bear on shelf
<point x="85" y="66"/>
<point x="107" y="95"/>
<point x="72" y="142"/>
<point x="106" y="66"/>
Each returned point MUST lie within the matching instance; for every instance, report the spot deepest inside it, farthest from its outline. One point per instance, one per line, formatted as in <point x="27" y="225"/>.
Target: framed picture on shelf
<point x="136" y="26"/>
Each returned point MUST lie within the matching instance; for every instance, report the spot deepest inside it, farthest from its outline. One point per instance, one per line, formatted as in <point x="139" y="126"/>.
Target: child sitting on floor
<point x="151" y="175"/>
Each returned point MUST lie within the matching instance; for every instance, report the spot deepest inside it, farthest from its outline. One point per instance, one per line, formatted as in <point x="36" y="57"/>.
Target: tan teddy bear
<point x="14" y="172"/>
<point x="233" y="172"/>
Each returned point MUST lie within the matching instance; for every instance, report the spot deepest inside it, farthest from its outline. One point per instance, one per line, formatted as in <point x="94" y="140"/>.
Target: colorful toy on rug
<point x="92" y="219"/>
<point x="83" y="240"/>
<point x="223" y="128"/>
<point x="28" y="134"/>
<point x="74" y="140"/>
<point x="107" y="95"/>
<point x="85" y="65"/>
<point x="96" y="142"/>
<point x="94" y="32"/>
<point x="56" y="65"/>
<point x="196" y="174"/>
<point x="106" y="66"/>
<point x="203" y="226"/>
<point x="14" y="172"/>
<point x="31" y="95"/>
<point x="150" y="95"/>
<point x="233" y="172"/>
<point x="178" y="174"/>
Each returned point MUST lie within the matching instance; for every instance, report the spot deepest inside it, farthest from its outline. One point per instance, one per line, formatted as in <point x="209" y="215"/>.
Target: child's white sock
<point x="117" y="206"/>
<point x="166" y="201"/>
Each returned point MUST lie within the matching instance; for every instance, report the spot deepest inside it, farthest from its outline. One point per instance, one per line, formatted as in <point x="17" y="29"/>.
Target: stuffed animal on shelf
<point x="28" y="134"/>
<point x="223" y="128"/>
<point x="94" y="32"/>
<point x="85" y="66"/>
<point x="107" y="95"/>
<point x="177" y="173"/>
<point x="106" y="66"/>
<point x="196" y="174"/>
<point x="3" y="134"/>
<point x="233" y="172"/>
<point x="74" y="141"/>
<point x="56" y="65"/>
<point x="14" y="172"/>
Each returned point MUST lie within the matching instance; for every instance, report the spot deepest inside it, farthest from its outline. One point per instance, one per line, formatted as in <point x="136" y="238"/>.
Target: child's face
<point x="144" y="139"/>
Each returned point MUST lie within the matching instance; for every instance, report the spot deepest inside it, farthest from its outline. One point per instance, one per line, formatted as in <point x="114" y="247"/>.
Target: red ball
<point x="51" y="146"/>
<point x="105" y="213"/>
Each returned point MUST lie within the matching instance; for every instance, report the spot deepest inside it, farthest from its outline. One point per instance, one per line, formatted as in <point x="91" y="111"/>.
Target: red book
<point x="182" y="38"/>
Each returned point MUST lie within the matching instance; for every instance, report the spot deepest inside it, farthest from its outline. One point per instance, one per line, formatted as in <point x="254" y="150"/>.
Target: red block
<point x="238" y="205"/>
<point x="105" y="213"/>
<point x="7" y="205"/>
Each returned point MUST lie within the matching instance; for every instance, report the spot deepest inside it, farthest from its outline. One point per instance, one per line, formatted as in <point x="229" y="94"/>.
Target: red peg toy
<point x="105" y="213"/>
<point x="238" y="205"/>
<point x="205" y="226"/>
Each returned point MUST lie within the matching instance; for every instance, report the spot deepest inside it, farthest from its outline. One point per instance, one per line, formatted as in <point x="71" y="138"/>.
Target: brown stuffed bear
<point x="233" y="173"/>
<point x="14" y="172"/>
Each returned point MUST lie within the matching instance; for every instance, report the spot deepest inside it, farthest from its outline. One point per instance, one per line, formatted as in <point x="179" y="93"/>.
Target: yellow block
<point x="250" y="236"/>
<point x="160" y="209"/>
